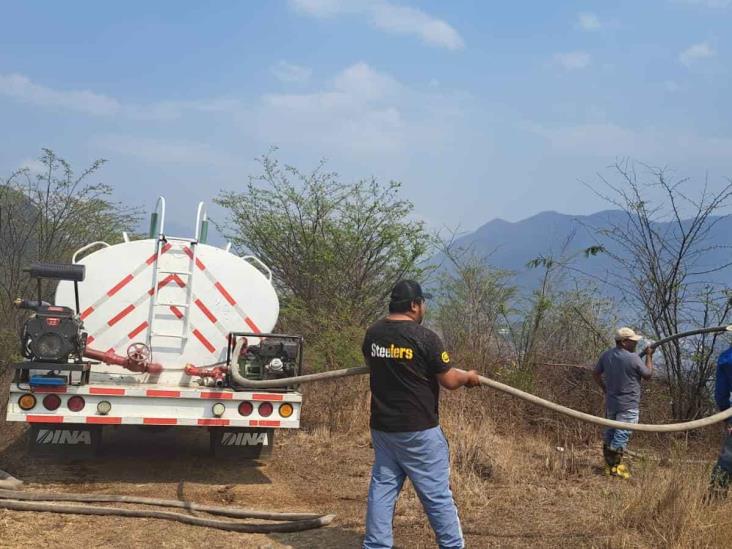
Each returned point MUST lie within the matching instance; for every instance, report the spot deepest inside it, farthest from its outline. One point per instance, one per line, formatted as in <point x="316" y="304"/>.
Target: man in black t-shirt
<point x="408" y="363"/>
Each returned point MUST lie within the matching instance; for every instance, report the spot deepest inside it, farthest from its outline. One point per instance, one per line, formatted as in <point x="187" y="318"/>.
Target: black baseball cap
<point x="408" y="290"/>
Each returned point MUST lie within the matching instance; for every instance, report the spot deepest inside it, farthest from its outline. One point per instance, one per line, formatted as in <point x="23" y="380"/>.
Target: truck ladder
<point x="160" y="273"/>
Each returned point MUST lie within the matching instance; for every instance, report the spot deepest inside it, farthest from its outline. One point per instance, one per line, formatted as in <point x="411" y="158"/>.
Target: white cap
<point x="627" y="333"/>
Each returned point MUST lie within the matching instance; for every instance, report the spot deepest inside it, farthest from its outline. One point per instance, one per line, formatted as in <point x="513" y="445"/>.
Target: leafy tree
<point x="472" y="299"/>
<point x="335" y="248"/>
<point x="486" y="320"/>
<point x="48" y="214"/>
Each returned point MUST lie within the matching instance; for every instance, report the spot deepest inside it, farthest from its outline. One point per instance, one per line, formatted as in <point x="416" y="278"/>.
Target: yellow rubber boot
<point x="622" y="471"/>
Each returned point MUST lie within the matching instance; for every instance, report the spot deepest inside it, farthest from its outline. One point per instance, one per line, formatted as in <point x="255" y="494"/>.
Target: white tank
<point x="187" y="321"/>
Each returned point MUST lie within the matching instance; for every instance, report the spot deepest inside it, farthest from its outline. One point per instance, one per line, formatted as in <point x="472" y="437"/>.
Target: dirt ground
<point x="310" y="472"/>
<point x="165" y="464"/>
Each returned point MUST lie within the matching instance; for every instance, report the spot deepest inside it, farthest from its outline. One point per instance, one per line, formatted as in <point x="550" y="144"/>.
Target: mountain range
<point x="511" y="245"/>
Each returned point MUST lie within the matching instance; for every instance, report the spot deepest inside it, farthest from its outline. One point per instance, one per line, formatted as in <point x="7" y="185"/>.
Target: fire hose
<point x="533" y="399"/>
<point x="293" y="522"/>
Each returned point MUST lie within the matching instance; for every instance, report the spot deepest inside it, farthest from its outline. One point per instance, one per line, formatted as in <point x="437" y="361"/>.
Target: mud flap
<point x="242" y="442"/>
<point x="73" y="440"/>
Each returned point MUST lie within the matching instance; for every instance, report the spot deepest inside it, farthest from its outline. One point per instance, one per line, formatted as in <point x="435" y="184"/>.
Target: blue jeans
<point x="722" y="473"/>
<point x="617" y="439"/>
<point x="423" y="457"/>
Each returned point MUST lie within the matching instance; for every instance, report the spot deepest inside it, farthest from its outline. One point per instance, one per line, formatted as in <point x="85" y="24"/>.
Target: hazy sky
<point x="482" y="109"/>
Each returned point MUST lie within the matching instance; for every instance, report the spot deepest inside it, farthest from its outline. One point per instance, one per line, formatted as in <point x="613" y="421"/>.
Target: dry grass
<point x="666" y="508"/>
<point x="524" y="478"/>
<point x="338" y="407"/>
<point x="663" y="506"/>
<point x="520" y="477"/>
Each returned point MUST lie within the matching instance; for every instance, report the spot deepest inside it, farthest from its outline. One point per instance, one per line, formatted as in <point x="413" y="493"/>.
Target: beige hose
<point x="582" y="416"/>
<point x="360" y="370"/>
<point x="653" y="428"/>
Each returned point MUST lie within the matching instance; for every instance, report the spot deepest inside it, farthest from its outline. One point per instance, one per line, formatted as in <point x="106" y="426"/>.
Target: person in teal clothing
<point x="722" y="473"/>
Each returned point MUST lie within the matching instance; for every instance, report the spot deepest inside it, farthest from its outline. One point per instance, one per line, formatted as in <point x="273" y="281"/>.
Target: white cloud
<point x="34" y="166"/>
<point x="599" y="138"/>
<point x="406" y="20"/>
<point x="287" y="72"/>
<point x="671" y="86"/>
<point x="389" y="17"/>
<point x="327" y="8"/>
<point x="158" y="151"/>
<point x="23" y="89"/>
<point x="696" y="52"/>
<point x="588" y="22"/>
<point x="360" y="80"/>
<point x="572" y="60"/>
<point x="360" y="113"/>
<point x="706" y="3"/>
<point x="172" y="110"/>
<point x="650" y="144"/>
<point x="356" y="111"/>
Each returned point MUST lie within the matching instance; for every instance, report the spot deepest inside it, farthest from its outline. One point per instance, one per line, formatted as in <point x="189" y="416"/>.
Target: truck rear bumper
<point x="136" y="405"/>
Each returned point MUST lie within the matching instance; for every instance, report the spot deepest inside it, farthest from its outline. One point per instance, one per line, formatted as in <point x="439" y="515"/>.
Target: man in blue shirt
<point x="722" y="473"/>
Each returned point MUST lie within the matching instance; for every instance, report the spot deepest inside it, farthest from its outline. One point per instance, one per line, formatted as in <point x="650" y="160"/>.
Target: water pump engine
<point x="53" y="334"/>
<point x="272" y="358"/>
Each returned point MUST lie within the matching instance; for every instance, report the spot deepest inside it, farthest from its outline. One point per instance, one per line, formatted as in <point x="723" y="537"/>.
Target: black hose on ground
<point x="234" y="512"/>
<point x="47" y="502"/>
<point x="258" y="528"/>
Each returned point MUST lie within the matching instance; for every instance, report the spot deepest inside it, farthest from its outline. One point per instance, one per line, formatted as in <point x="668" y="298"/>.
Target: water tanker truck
<point x="161" y="331"/>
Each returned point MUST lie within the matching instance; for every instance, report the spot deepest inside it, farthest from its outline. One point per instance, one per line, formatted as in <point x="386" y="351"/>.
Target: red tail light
<point x="76" y="403"/>
<point x="265" y="409"/>
<point x="51" y="402"/>
<point x="246" y="408"/>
